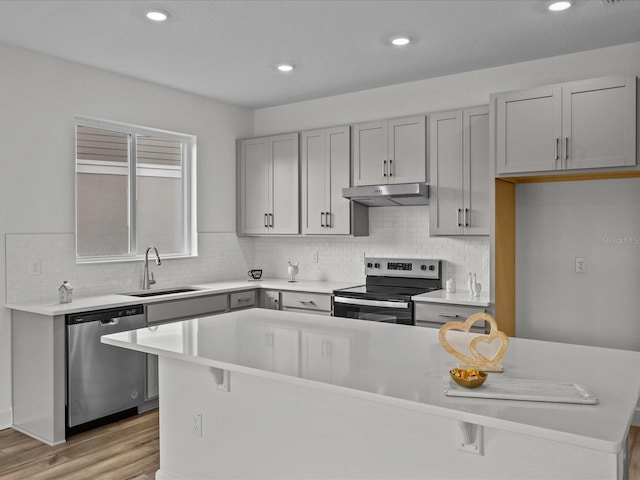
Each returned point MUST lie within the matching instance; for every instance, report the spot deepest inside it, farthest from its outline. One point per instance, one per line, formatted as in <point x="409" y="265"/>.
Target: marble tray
<point x="522" y="389"/>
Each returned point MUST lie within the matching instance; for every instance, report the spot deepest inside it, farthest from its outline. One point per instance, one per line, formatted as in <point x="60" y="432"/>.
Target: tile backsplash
<point x="221" y="256"/>
<point x="394" y="232"/>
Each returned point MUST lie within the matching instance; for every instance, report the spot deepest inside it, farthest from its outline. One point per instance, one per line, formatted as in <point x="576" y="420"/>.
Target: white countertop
<point x="456" y="298"/>
<point x="402" y="366"/>
<point x="83" y="304"/>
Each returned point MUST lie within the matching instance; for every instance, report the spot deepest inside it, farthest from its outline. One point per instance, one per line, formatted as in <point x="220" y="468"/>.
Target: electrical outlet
<point x="196" y="424"/>
<point x="35" y="267"/>
<point x="581" y="264"/>
<point x="222" y="256"/>
<point x="277" y="255"/>
<point x="315" y="257"/>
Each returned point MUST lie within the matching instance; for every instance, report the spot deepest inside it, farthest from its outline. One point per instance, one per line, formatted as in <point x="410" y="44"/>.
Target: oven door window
<point x="375" y="314"/>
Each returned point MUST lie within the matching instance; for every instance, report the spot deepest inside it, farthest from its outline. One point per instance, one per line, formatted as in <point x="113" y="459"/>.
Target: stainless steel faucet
<point x="146" y="281"/>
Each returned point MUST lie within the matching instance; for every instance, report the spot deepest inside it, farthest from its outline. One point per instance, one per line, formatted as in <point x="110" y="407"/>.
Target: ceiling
<point x="228" y="50"/>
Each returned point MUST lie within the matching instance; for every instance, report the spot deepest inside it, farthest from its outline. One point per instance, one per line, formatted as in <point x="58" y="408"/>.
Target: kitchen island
<point x="272" y="394"/>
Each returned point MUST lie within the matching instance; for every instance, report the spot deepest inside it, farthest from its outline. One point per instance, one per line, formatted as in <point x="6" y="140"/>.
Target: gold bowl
<point x="468" y="377"/>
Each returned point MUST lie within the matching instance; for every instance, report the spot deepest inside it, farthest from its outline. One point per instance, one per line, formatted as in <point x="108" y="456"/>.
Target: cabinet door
<point x="407" y="160"/>
<point x="445" y="212"/>
<point x="326" y="358"/>
<point x="283" y="183"/>
<point x="529" y="130"/>
<point x="370" y="140"/>
<point x="477" y="174"/>
<point x="270" y="299"/>
<point x="253" y="188"/>
<point x="599" y="123"/>
<point x="314" y="179"/>
<point x="338" y="148"/>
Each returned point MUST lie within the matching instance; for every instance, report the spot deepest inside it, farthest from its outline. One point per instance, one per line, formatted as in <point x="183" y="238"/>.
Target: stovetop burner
<point x="395" y="279"/>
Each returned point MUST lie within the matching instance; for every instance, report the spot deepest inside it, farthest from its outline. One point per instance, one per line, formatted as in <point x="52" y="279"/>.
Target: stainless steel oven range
<point x="386" y="295"/>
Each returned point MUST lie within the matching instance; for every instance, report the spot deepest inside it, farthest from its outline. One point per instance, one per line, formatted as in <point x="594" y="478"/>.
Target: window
<point x="135" y="187"/>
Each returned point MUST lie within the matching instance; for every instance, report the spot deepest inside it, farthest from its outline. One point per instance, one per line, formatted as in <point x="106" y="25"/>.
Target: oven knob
<point x="376" y="265"/>
<point x="369" y="265"/>
<point x="423" y="267"/>
<point x="432" y="267"/>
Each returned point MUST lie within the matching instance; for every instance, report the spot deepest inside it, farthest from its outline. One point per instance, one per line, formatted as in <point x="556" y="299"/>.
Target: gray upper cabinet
<point x="577" y="125"/>
<point x="460" y="172"/>
<point x="390" y="151"/>
<point x="268" y="185"/>
<point x="325" y="164"/>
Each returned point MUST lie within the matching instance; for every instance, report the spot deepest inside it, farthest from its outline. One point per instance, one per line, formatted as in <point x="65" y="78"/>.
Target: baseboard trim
<point x="164" y="475"/>
<point x="5" y="419"/>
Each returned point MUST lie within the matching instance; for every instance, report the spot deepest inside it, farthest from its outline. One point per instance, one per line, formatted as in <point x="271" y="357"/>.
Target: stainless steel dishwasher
<point x="104" y="383"/>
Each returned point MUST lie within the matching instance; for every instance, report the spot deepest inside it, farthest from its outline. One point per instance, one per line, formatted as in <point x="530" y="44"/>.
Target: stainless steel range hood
<point x="400" y="194"/>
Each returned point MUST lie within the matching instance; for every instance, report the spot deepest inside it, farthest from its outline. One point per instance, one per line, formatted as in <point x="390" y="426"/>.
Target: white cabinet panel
<point x="529" y="130"/>
<point x="460" y="172"/>
<point x="577" y="125"/>
<point x="598" y="123"/>
<point x="268" y="185"/>
<point x="390" y="151"/>
<point x="325" y="158"/>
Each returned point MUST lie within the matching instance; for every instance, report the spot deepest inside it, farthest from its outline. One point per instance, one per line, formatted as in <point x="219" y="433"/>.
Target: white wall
<point x="559" y="221"/>
<point x="39" y="97"/>
<point x="453" y="91"/>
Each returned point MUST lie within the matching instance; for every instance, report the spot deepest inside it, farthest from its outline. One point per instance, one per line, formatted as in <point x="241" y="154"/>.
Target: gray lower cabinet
<point x="188" y="307"/>
<point x="577" y="125"/>
<point x="239" y="300"/>
<point x="306" y="302"/>
<point x="390" y="151"/>
<point x="460" y="172"/>
<point x="267" y="185"/>
<point x="434" y="315"/>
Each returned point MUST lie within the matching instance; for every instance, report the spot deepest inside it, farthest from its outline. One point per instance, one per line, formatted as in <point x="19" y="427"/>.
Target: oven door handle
<point x="370" y="303"/>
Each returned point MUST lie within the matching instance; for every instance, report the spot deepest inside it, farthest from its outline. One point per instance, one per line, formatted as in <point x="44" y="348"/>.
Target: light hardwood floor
<point x="126" y="450"/>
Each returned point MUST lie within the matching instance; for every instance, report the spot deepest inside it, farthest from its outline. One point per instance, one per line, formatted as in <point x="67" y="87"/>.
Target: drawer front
<point x="437" y="313"/>
<point x="189" y="307"/>
<point x="306" y="301"/>
<point x="242" y="299"/>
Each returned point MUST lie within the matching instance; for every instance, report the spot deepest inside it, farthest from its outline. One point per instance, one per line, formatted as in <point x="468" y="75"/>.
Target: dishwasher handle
<point x="108" y="316"/>
<point x="109" y="322"/>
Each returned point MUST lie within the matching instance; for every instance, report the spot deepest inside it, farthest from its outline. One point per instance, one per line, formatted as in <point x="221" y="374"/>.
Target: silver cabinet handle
<point x="271" y="220"/>
<point x="391" y="168"/>
<point x="306" y="302"/>
<point x="384" y="168"/>
<point x="328" y="221"/>
<point x="467" y="217"/>
<point x="244" y="300"/>
<point x="266" y="220"/>
<point x="448" y="315"/>
<point x="566" y="148"/>
<point x="557" y="157"/>
<point x="458" y="217"/>
<point x="322" y="219"/>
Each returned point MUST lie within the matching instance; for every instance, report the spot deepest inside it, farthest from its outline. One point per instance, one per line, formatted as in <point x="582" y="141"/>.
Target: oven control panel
<point x="403" y="267"/>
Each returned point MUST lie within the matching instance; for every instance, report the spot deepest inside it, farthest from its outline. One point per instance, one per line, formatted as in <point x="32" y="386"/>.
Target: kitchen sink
<point x="168" y="291"/>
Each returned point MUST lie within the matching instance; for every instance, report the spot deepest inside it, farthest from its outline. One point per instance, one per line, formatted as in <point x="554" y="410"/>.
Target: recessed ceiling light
<point x="285" y="67"/>
<point x="559" y="6"/>
<point x="400" y="41"/>
<point x="157" y="15"/>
